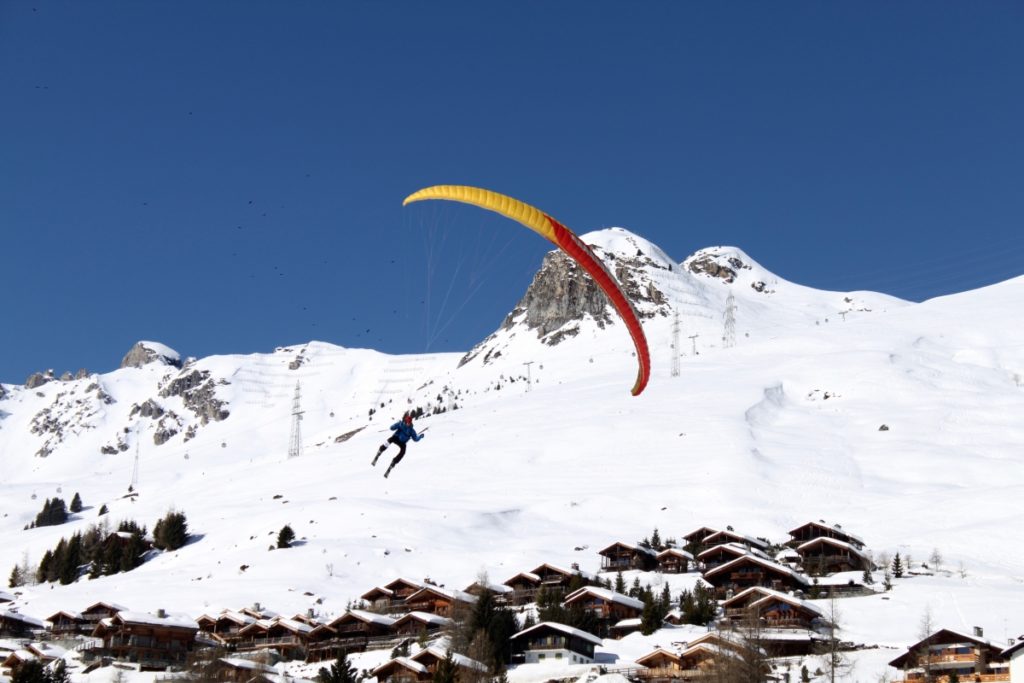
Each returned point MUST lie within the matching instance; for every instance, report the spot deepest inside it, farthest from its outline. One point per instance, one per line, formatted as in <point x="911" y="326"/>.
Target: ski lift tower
<point x="295" y="439"/>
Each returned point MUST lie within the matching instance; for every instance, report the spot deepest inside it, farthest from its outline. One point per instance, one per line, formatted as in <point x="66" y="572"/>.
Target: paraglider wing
<point x="566" y="240"/>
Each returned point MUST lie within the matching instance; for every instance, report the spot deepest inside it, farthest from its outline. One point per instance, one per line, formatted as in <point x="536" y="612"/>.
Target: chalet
<point x="236" y="670"/>
<point x="813" y="530"/>
<point x="773" y="609"/>
<point x="154" y="642"/>
<point x="13" y="661"/>
<point x="392" y="596"/>
<point x="705" y="654"/>
<point x="414" y="624"/>
<point x="420" y="667"/>
<point x="287" y="637"/>
<point x="720" y="537"/>
<point x="257" y="611"/>
<point x="623" y="627"/>
<point x="751" y="570"/>
<point x="695" y="539"/>
<point x="725" y="552"/>
<point x="66" y="623"/>
<point x="17" y="625"/>
<point x="824" y="555"/>
<point x="674" y="561"/>
<point x="524" y="587"/>
<point x="353" y="631"/>
<point x="98" y="611"/>
<point x="971" y="657"/>
<point x="501" y="593"/>
<point x="620" y="557"/>
<point x="402" y="670"/>
<point x="437" y="601"/>
<point x="226" y="627"/>
<point x="661" y="666"/>
<point x="609" y="607"/>
<point x="550" y="641"/>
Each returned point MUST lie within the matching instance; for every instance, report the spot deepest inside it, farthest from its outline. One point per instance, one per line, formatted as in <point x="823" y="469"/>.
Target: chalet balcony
<point x="1001" y="677"/>
<point x="746" y="577"/>
<point x="612" y="564"/>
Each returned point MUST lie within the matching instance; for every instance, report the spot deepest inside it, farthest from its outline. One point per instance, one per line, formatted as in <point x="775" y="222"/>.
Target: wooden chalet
<point x="661" y="666"/>
<point x="720" y="537"/>
<point x="414" y="624"/>
<point x="236" y="670"/>
<point x="1015" y="656"/>
<point x="154" y="642"/>
<point x="501" y="593"/>
<point x="439" y="601"/>
<point x="13" y="661"/>
<point x="717" y="555"/>
<point x="98" y="611"/>
<point x="353" y="631"/>
<point x="609" y="607"/>
<point x="971" y="657"/>
<point x="17" y="625"/>
<point x="420" y="667"/>
<point x="674" y="561"/>
<point x="549" y="641"/>
<point x="812" y="530"/>
<point x="525" y="586"/>
<point x="620" y="557"/>
<point x="772" y="609"/>
<point x="65" y="623"/>
<point x="286" y="637"/>
<point x="695" y="539"/>
<point x="391" y="597"/>
<point x="751" y="570"/>
<point x="824" y="555"/>
<point x="224" y="628"/>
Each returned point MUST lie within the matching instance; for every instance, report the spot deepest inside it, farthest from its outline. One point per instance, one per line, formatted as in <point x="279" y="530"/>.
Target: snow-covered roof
<point x="442" y="653"/>
<point x="112" y="606"/>
<point x="293" y="625"/>
<point x="369" y="617"/>
<point x="742" y="538"/>
<point x="679" y="552"/>
<point x="564" y="629"/>
<point x="6" y="597"/>
<point x="171" y="621"/>
<point x="782" y="569"/>
<point x="239" y="663"/>
<point x="734" y="548"/>
<point x="630" y="546"/>
<point x="563" y="570"/>
<point x="47" y="650"/>
<point x="425" y="617"/>
<point x="831" y="527"/>
<point x="24" y="618"/>
<point x="526" y="575"/>
<point x="605" y="594"/>
<point x="634" y="622"/>
<point x="498" y="588"/>
<point x="402" y="661"/>
<point x="833" y="542"/>
<point x="67" y="613"/>
<point x="769" y="594"/>
<point x="450" y="594"/>
<point x="655" y="652"/>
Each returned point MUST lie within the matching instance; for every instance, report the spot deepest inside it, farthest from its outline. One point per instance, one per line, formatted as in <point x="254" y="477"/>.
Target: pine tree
<point x="76" y="503"/>
<point x="59" y="673"/>
<point x="446" y="671"/>
<point x="171" y="532"/>
<point x="103" y="509"/>
<point x="285" y="537"/>
<point x="341" y="671"/>
<point x="44" y="566"/>
<point x="897" y="566"/>
<point x="16" y="578"/>
<point x="620" y="584"/>
<point x="656" y="540"/>
<point x="31" y="671"/>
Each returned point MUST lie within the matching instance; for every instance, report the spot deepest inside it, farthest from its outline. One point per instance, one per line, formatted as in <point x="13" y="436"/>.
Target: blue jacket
<point x="405" y="432"/>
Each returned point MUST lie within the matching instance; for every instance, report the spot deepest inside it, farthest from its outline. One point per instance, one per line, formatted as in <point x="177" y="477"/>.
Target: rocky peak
<point x="730" y="265"/>
<point x="144" y="353"/>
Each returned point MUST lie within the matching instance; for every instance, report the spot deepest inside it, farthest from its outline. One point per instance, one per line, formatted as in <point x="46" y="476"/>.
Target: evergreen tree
<point x="620" y="583"/>
<point x="171" y="532"/>
<point x="67" y="571"/>
<point x="44" y="566"/>
<point x="31" y="671"/>
<point x="103" y="509"/>
<point x="805" y="675"/>
<point x="59" y="673"/>
<point x="16" y="578"/>
<point x="131" y="554"/>
<point x="285" y="537"/>
<point x="897" y="566"/>
<point x="400" y="650"/>
<point x="635" y="590"/>
<point x="656" y="540"/>
<point x="867" y="578"/>
<point x="76" y="503"/>
<point x="341" y="671"/>
<point x="446" y="671"/>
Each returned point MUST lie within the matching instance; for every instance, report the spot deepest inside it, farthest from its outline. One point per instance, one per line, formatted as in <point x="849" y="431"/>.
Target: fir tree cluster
<point x="34" y="671"/>
<point x="55" y="511"/>
<point x="483" y="632"/>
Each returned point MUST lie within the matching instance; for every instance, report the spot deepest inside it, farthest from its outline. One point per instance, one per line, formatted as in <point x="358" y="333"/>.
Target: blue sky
<point x="227" y="177"/>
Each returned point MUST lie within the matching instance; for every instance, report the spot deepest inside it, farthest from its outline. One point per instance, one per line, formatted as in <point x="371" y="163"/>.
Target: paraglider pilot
<point x="403" y="431"/>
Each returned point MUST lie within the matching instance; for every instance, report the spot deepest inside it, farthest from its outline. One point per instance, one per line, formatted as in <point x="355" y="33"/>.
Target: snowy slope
<point x="779" y="429"/>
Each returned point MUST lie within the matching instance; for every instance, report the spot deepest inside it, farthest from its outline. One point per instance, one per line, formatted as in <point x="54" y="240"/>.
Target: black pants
<point x="401" y="449"/>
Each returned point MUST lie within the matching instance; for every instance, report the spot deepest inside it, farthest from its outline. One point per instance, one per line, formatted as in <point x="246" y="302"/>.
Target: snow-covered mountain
<point x="901" y="421"/>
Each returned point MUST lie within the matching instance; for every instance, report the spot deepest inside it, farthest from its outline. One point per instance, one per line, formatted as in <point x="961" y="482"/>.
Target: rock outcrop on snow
<point x="144" y="353"/>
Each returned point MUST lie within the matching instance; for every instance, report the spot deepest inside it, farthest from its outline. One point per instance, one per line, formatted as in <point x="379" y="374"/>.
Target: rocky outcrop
<point x="198" y="390"/>
<point x="150" y="409"/>
<point x="144" y="353"/>
<point x="38" y="379"/>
